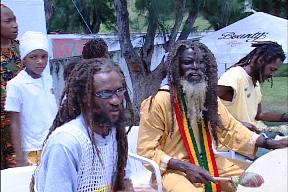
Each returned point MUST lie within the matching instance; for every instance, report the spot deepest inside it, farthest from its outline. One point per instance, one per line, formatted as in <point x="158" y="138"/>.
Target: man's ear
<point x="260" y="61"/>
<point x="257" y="63"/>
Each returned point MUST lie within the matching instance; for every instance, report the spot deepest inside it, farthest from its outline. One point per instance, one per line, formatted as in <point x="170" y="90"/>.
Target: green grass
<point x="275" y="99"/>
<point x="283" y="71"/>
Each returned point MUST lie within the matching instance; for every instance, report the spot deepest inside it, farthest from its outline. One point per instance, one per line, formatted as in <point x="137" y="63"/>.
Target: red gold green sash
<point x="207" y="159"/>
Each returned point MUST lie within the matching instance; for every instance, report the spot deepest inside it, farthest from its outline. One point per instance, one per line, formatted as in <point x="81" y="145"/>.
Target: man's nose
<point x="194" y="65"/>
<point x="116" y="100"/>
<point x="15" y="24"/>
<point x="41" y="61"/>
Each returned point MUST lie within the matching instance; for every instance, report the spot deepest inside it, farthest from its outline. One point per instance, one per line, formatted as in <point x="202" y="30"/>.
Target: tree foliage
<point x="173" y="19"/>
<point x="145" y="80"/>
<point x="221" y="13"/>
<point x="95" y="12"/>
<point x="276" y="7"/>
<point x="49" y="11"/>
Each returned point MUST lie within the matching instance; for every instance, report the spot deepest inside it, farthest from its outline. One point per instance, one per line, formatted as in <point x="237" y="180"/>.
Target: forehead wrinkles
<point x="196" y="52"/>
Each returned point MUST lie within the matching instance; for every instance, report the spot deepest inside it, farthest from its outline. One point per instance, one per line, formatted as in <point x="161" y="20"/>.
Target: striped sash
<point x="207" y="158"/>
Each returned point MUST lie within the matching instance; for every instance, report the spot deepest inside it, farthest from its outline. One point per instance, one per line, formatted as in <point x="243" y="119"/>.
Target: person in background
<point x="95" y="48"/>
<point x="180" y="123"/>
<point x="87" y="149"/>
<point x="10" y="66"/>
<point x="239" y="87"/>
<point x="30" y="100"/>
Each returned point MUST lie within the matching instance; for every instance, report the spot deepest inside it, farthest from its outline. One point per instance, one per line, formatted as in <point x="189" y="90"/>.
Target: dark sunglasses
<point x="109" y="94"/>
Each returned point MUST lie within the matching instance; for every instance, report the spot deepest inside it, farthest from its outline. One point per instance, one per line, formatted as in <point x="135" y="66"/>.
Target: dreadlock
<point x="69" y="67"/>
<point x="174" y="78"/>
<point x="95" y="48"/>
<point x="78" y="96"/>
<point x="267" y="51"/>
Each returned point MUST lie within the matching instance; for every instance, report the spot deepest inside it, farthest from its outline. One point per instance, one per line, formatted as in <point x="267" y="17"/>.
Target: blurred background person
<point x="239" y="87"/>
<point x="10" y="66"/>
<point x="30" y="100"/>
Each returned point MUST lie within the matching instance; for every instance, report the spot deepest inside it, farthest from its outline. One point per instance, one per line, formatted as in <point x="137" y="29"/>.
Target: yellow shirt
<point x="246" y="96"/>
<point x="156" y="142"/>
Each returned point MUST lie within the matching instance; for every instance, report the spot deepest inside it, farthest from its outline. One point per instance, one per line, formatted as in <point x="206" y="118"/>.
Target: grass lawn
<point x="275" y="99"/>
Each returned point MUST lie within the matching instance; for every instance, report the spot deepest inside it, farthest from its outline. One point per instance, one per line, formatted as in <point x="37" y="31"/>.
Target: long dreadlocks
<point x="78" y="97"/>
<point x="95" y="48"/>
<point x="174" y="78"/>
<point x="267" y="52"/>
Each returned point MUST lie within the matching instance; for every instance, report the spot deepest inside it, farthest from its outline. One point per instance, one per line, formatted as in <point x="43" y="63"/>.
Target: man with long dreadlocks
<point x="179" y="123"/>
<point x="239" y="87"/>
<point x="86" y="149"/>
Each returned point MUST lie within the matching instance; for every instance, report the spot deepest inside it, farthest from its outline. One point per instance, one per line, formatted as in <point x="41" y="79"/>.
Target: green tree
<point x="221" y="13"/>
<point x="49" y="10"/>
<point x="145" y="80"/>
<point x="95" y="12"/>
<point x="276" y="7"/>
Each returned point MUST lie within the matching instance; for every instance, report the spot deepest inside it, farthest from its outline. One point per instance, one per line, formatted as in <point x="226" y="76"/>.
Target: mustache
<point x="190" y="72"/>
<point x="104" y="120"/>
<point x="194" y="76"/>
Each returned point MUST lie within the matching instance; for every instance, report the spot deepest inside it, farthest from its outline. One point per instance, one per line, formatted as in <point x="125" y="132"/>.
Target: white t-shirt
<point x="68" y="162"/>
<point x="246" y="97"/>
<point x="36" y="103"/>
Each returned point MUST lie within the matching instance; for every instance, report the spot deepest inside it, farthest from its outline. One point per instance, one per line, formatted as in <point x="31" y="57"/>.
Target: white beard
<point x="195" y="98"/>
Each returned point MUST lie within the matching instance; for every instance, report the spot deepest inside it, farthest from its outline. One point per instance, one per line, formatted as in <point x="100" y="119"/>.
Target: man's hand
<point x="250" y="126"/>
<point x="271" y="144"/>
<point x="194" y="173"/>
<point x="277" y="144"/>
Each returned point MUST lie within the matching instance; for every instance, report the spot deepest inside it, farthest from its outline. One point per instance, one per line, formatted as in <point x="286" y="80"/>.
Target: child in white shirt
<point x="30" y="100"/>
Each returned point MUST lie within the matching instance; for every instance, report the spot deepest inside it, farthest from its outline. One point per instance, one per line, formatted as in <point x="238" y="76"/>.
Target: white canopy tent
<point x="233" y="42"/>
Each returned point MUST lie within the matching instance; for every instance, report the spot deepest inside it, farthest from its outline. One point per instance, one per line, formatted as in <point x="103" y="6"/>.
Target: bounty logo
<point x="250" y="37"/>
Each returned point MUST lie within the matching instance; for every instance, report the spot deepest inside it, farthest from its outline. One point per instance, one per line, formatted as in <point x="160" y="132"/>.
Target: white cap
<point x="32" y="40"/>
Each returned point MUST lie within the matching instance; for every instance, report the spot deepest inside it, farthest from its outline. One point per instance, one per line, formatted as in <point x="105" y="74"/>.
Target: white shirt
<point x="66" y="162"/>
<point x="36" y="103"/>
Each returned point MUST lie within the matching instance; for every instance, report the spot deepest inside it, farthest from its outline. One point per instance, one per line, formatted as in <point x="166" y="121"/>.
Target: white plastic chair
<point x="139" y="175"/>
<point x="16" y="179"/>
<point x="230" y="154"/>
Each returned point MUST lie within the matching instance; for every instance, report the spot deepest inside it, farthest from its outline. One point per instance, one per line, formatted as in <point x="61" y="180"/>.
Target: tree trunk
<point x="178" y="20"/>
<point x="145" y="86"/>
<point x="143" y="83"/>
<point x="96" y="22"/>
<point x="49" y="11"/>
<point x="193" y="13"/>
<point x="148" y="47"/>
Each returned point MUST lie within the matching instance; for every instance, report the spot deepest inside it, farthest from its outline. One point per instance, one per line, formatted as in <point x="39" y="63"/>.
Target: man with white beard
<point x="180" y="122"/>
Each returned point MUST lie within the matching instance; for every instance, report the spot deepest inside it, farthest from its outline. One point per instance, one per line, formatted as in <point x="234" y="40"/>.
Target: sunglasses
<point x="109" y="94"/>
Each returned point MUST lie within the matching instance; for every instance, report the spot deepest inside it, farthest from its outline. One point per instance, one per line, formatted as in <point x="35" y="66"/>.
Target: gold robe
<point x="156" y="142"/>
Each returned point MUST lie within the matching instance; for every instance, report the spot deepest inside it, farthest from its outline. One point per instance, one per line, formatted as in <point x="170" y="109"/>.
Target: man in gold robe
<point x="171" y="126"/>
